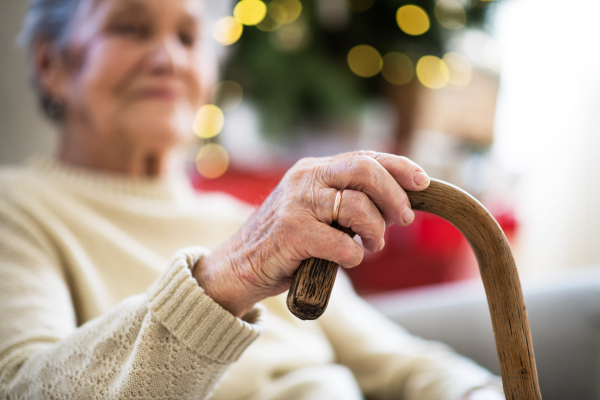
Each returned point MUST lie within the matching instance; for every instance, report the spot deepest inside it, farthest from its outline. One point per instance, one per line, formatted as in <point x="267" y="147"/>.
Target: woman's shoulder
<point x="18" y="179"/>
<point x="22" y="192"/>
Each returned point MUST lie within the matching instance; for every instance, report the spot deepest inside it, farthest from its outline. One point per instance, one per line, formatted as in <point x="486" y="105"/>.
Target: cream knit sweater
<point x="91" y="306"/>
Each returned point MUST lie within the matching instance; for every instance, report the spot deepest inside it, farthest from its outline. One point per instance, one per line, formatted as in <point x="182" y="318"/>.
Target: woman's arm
<point x="389" y="363"/>
<point x="171" y="342"/>
<point x="177" y="331"/>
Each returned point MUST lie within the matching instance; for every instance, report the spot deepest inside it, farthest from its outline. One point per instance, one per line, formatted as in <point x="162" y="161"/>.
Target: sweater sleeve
<point x="388" y="362"/>
<point x="171" y="342"/>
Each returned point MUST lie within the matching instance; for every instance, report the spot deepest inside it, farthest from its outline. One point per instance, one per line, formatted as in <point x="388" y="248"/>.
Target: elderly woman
<point x="91" y="305"/>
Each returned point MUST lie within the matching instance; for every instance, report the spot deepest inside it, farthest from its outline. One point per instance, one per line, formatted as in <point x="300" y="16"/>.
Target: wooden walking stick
<point x="313" y="281"/>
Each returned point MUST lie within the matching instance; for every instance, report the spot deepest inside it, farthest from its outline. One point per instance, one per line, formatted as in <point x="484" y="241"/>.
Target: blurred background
<point x="501" y="98"/>
<point x="498" y="97"/>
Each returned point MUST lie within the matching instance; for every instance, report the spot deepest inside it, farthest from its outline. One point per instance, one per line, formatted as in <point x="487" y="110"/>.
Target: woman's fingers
<point x="356" y="211"/>
<point x="364" y="173"/>
<point x="328" y="243"/>
<point x="405" y="171"/>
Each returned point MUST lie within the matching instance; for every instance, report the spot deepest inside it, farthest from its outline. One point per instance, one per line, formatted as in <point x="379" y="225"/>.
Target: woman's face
<point x="136" y="71"/>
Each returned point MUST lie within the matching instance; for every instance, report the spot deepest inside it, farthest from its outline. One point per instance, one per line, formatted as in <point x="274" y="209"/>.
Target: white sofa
<point x="564" y="313"/>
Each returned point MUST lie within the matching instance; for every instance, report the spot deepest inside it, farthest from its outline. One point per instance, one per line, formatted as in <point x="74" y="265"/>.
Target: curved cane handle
<point x="307" y="298"/>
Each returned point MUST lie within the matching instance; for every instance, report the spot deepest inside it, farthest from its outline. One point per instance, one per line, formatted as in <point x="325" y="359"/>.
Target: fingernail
<point x="381" y="244"/>
<point x="420" y="178"/>
<point x="408" y="216"/>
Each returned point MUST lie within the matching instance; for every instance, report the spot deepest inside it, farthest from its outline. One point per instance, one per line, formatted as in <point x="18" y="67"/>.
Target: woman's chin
<point x="161" y="129"/>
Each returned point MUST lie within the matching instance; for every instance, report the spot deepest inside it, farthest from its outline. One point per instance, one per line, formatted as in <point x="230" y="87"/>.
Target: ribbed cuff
<point x="194" y="318"/>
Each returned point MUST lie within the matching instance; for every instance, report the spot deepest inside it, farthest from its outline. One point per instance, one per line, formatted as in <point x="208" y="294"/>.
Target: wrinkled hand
<point x="293" y="224"/>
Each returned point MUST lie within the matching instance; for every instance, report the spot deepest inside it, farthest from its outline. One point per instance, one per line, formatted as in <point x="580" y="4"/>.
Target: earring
<point x="55" y="108"/>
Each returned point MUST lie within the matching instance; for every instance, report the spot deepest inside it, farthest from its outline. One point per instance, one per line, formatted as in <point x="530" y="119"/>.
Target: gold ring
<point x="336" y="206"/>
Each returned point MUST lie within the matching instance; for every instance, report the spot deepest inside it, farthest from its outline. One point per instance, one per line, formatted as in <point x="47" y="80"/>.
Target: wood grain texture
<point x="500" y="279"/>
<point x="312" y="285"/>
<point x="308" y="298"/>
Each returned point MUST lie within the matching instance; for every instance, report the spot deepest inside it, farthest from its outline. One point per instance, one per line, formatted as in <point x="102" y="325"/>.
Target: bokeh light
<point x="212" y="160"/>
<point x="359" y="5"/>
<point x="398" y="69"/>
<point x="209" y="121"/>
<point x="459" y="68"/>
<point x="227" y="30"/>
<point x="432" y="72"/>
<point x="280" y="12"/>
<point x="292" y="7"/>
<point x="291" y="37"/>
<point x="450" y="14"/>
<point x="364" y="61"/>
<point x="413" y="20"/>
<point x="227" y="95"/>
<point x="250" y="12"/>
<point x="268" y="24"/>
<point x="277" y="12"/>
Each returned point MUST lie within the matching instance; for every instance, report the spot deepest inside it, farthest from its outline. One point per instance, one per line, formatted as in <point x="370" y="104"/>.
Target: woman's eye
<point x="187" y="39"/>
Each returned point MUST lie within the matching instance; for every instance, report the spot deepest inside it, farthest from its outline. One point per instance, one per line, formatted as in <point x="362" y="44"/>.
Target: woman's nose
<point x="167" y="56"/>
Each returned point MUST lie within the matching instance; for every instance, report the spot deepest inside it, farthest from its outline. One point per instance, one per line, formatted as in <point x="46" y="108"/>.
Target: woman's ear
<point x="49" y="70"/>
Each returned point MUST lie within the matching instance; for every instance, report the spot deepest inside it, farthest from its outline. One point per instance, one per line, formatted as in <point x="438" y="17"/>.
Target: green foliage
<point x="313" y="82"/>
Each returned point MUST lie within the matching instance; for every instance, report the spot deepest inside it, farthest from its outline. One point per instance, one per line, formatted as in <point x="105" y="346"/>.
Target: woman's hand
<point x="293" y="224"/>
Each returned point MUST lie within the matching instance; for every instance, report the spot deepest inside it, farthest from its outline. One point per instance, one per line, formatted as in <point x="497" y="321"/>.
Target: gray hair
<point x="52" y="21"/>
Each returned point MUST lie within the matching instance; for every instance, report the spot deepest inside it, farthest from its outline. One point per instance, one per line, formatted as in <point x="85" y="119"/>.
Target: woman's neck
<point x="124" y="158"/>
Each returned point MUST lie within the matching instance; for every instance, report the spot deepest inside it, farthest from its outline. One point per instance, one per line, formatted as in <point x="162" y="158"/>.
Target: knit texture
<point x="97" y="300"/>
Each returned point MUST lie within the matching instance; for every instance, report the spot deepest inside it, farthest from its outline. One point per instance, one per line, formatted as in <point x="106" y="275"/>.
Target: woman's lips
<point x="158" y="93"/>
